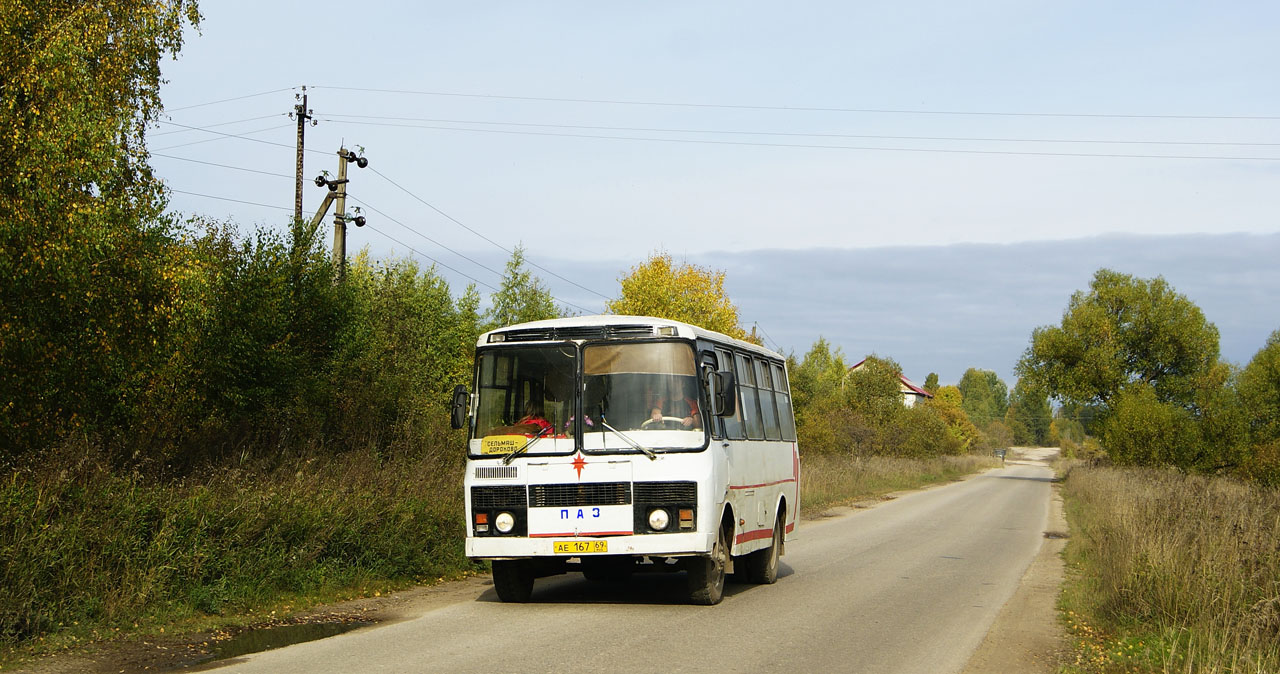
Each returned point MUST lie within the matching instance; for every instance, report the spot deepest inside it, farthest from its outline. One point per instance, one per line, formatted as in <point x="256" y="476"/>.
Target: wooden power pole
<point x="303" y="115"/>
<point x="338" y="193"/>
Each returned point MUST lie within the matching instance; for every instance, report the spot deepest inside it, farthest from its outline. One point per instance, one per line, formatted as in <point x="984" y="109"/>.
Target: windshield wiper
<point x="647" y="452"/>
<point x="506" y="460"/>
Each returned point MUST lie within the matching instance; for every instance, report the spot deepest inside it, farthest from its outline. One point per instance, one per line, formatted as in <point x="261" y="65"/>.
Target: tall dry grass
<point x="827" y="480"/>
<point x="1173" y="572"/>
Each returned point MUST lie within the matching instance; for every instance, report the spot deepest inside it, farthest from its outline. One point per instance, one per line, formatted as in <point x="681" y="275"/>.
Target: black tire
<point x="762" y="565"/>
<point x="707" y="574"/>
<point x="513" y="580"/>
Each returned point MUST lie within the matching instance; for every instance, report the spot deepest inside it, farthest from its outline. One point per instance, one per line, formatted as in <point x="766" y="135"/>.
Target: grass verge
<point x="91" y="555"/>
<point x="827" y="481"/>
<point x="1171" y="573"/>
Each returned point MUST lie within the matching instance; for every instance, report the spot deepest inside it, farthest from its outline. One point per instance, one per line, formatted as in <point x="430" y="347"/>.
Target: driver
<point x="679" y="404"/>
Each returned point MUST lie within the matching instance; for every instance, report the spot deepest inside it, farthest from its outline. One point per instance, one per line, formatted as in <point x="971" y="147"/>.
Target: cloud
<point x="944" y="309"/>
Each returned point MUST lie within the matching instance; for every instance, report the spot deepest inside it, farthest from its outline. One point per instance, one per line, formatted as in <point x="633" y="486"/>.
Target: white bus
<point x="614" y="444"/>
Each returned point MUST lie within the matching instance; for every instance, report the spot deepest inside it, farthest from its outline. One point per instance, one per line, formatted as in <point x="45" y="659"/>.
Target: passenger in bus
<point x="533" y="416"/>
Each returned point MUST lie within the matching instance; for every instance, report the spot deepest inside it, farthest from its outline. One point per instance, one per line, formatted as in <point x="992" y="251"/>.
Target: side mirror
<point x="724" y="393"/>
<point x="458" y="413"/>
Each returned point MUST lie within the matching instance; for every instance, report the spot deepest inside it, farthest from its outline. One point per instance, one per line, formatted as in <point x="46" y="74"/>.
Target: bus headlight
<point x="658" y="519"/>
<point x="504" y="522"/>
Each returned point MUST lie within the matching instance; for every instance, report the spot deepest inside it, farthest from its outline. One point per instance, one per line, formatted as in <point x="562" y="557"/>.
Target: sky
<point x="928" y="181"/>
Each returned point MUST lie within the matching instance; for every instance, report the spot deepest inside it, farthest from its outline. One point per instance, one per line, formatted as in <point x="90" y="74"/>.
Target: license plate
<point x="591" y="547"/>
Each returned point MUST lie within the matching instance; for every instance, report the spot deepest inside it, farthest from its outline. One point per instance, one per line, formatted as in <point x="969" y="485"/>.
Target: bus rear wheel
<point x="513" y="580"/>
<point x="706" y="574"/>
<point x="762" y="565"/>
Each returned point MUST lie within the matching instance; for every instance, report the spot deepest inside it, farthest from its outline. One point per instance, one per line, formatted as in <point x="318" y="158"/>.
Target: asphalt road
<point x="911" y="585"/>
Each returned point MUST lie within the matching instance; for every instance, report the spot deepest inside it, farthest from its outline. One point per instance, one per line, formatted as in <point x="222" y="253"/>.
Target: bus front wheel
<point x="513" y="580"/>
<point x="706" y="574"/>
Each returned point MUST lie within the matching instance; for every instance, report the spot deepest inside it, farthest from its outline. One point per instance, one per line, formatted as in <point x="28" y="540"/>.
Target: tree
<point x="931" y="383"/>
<point x="986" y="396"/>
<point x="1123" y="331"/>
<point x="85" y="287"/>
<point x="522" y="298"/>
<point x="1029" y="415"/>
<point x="681" y="292"/>
<point x="1259" y="387"/>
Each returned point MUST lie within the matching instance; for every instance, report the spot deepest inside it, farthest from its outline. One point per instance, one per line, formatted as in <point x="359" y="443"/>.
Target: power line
<point x="392" y="219"/>
<point x="346" y="118"/>
<point x="790" y="108"/>
<point x="478" y="264"/>
<point x="238" y="201"/>
<point x="227" y="100"/>
<point x="226" y="166"/>
<point x="433" y="260"/>
<point x="482" y="236"/>
<point x="238" y="121"/>
<point x="226" y="135"/>
<point x="696" y="141"/>
<point x="222" y="136"/>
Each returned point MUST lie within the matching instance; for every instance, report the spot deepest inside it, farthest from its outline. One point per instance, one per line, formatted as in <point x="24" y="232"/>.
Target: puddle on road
<point x="267" y="638"/>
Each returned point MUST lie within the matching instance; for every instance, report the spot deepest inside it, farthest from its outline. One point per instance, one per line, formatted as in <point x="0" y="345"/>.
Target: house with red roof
<point x="911" y="393"/>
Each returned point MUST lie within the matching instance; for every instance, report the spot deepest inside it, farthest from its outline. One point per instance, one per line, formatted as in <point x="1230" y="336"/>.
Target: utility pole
<point x="302" y="114"/>
<point x="338" y="193"/>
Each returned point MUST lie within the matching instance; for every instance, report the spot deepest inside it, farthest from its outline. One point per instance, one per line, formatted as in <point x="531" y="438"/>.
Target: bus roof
<point x="606" y="326"/>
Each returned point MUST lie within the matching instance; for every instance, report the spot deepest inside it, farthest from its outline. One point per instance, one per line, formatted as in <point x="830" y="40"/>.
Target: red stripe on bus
<point x="584" y="534"/>
<point x="766" y="484"/>
<point x="791" y="527"/>
<point x="753" y="535"/>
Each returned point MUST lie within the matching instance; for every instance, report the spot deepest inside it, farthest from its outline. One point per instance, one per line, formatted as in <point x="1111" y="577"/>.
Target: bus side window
<point x="768" y="409"/>
<point x="733" y="428"/>
<point x="785" y="413"/>
<point x="750" y="399"/>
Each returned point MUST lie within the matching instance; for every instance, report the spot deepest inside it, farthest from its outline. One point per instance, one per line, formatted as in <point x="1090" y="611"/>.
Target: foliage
<point x="523" y="297"/>
<point x="873" y="390"/>
<point x="1029" y="416"/>
<point x="87" y="545"/>
<point x="963" y="433"/>
<point x="931" y="382"/>
<point x="682" y="292"/>
<point x="1259" y="388"/>
<point x="985" y="397"/>
<point x="1123" y="331"/>
<point x="86" y="289"/>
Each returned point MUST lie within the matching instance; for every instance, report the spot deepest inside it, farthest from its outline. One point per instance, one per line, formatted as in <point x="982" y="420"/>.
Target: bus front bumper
<point x="659" y="545"/>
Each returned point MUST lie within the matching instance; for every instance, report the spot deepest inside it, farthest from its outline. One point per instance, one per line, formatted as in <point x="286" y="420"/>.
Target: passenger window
<point x="786" y="416"/>
<point x="750" y="402"/>
<point x="768" y="408"/>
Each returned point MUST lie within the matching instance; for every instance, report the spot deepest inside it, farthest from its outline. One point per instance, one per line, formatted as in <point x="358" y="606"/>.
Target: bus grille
<point x="666" y="492"/>
<point x="496" y="472"/>
<point x="586" y="494"/>
<point x="484" y="498"/>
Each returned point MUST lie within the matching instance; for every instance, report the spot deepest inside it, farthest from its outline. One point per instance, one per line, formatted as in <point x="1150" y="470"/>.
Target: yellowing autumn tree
<point x="682" y="292"/>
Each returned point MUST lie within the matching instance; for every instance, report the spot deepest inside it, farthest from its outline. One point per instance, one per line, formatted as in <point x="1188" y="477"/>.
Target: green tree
<point x="931" y="382"/>
<point x="1259" y="387"/>
<point x="85" y="289"/>
<point x="523" y="297"/>
<point x="681" y="292"/>
<point x="986" y="396"/>
<point x="1029" y="415"/>
<point x="1123" y="331"/>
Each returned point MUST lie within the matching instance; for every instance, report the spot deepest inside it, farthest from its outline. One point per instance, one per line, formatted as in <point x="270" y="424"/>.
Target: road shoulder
<point x="1026" y="635"/>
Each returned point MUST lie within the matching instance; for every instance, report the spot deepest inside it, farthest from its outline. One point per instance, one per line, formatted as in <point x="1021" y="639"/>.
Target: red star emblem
<point x="578" y="464"/>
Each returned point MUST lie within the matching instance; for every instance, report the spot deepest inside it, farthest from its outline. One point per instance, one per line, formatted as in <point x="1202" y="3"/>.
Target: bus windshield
<point x="642" y="394"/>
<point x="648" y="392"/>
